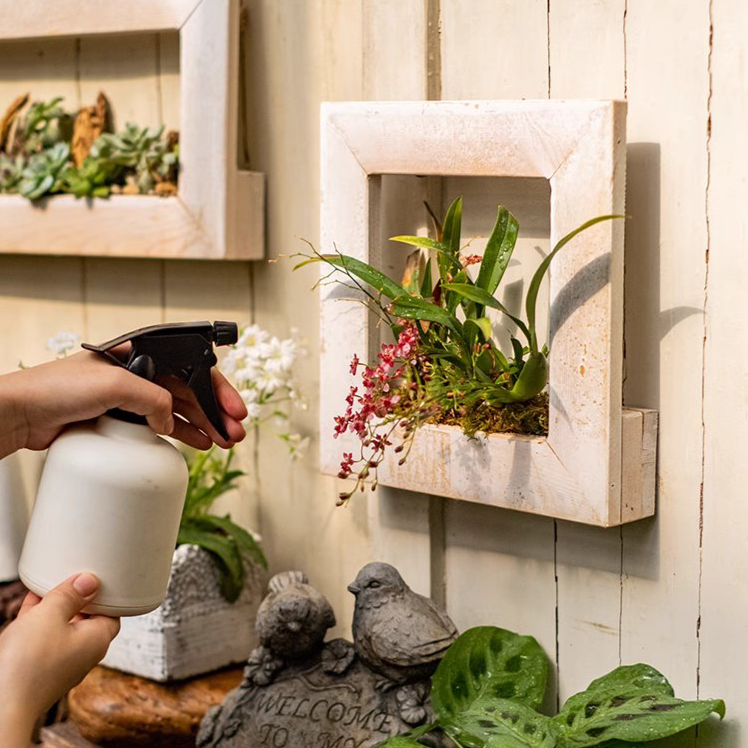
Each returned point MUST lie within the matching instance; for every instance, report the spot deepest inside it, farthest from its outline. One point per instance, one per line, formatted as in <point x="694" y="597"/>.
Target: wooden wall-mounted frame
<point x="597" y="465"/>
<point x="219" y="211"/>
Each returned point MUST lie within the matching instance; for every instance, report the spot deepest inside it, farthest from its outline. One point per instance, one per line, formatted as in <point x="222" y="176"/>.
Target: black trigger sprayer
<point x="111" y="493"/>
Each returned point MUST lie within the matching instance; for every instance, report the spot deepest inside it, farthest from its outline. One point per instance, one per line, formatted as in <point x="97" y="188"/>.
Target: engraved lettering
<point x="301" y="706"/>
<point x="336" y="712"/>
<point x="313" y="712"/>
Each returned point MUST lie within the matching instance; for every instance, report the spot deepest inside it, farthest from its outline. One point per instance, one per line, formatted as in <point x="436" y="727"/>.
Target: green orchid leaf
<point x="422" y="241"/>
<point x="633" y="703"/>
<point x="489" y="663"/>
<point x="519" y="351"/>
<point x="480" y="296"/>
<point x="426" y="282"/>
<point x="361" y="270"/>
<point x="410" y="307"/>
<point x="501" y="723"/>
<point x="481" y="324"/>
<point x="451" y="238"/>
<point x="532" y="291"/>
<point x="498" y="251"/>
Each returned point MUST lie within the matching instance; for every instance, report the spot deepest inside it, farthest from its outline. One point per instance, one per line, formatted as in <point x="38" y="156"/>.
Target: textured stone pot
<point x="195" y="630"/>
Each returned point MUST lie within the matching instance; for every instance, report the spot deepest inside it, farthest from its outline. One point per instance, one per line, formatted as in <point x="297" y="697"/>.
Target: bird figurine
<point x="398" y="633"/>
<point x="291" y="623"/>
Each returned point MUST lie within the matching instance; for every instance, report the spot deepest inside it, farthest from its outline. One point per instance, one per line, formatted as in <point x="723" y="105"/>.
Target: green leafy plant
<point x="137" y="151"/>
<point x="37" y="160"/>
<point x="488" y="688"/>
<point x="445" y="365"/>
<point x="210" y="476"/>
<point x="45" y="124"/>
<point x="44" y="172"/>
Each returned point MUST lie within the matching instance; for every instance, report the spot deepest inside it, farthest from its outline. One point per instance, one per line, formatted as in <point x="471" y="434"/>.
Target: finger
<point x="191" y="436"/>
<point x="30" y="601"/>
<point x="229" y="400"/>
<point x="71" y="596"/>
<point x="96" y="634"/>
<point x="186" y="404"/>
<point x="136" y="395"/>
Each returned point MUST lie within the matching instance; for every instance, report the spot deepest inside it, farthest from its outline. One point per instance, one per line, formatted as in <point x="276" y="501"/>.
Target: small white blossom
<point x="62" y="342"/>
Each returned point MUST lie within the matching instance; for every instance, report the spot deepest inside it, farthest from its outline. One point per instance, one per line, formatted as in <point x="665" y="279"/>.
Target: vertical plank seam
<point x="557" y="602"/>
<point x="159" y="94"/>
<point x="622" y="536"/>
<point x="78" y="89"/>
<point x="433" y="50"/>
<point x="548" y="42"/>
<point x="437" y="509"/>
<point x="708" y="228"/>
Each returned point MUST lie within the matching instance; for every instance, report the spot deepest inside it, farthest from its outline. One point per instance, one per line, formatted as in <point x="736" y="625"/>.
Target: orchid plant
<point x="445" y="365"/>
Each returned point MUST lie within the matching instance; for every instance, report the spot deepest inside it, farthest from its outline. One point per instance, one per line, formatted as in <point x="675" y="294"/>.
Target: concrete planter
<point x="195" y="630"/>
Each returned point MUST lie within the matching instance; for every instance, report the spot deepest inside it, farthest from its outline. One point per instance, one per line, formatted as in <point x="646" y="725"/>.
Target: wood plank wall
<point x="669" y="591"/>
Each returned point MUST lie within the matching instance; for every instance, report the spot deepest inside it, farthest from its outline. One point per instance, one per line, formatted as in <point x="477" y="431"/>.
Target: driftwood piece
<point x="89" y="123"/>
<point x="115" y="710"/>
<point x="9" y="118"/>
<point x="65" y="735"/>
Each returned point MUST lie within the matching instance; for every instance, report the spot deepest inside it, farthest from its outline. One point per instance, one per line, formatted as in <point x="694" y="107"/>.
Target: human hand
<point x="47" y="650"/>
<point x="37" y="403"/>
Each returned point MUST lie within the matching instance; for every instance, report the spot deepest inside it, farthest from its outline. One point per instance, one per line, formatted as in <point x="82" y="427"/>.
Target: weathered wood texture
<point x="668" y="590"/>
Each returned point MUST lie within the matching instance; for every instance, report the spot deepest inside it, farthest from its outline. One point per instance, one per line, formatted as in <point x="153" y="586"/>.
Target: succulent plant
<point x="44" y="172"/>
<point x="11" y="171"/>
<point x="92" y="179"/>
<point x="45" y="125"/>
<point x="139" y="150"/>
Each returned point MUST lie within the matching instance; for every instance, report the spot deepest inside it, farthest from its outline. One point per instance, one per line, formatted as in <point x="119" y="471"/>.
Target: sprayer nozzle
<point x="226" y="333"/>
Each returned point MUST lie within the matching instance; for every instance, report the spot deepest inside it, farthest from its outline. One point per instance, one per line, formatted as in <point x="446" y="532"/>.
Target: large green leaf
<point x="500" y="723"/>
<point x="361" y="270"/>
<point x="224" y="551"/>
<point x="498" y="251"/>
<point x="410" y="307"/>
<point x="532" y="291"/>
<point x="243" y="539"/>
<point x="400" y="741"/>
<point x="489" y="663"/>
<point x="632" y="703"/>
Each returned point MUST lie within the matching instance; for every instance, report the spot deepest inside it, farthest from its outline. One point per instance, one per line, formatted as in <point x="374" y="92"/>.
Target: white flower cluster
<point x="262" y="368"/>
<point x="62" y="342"/>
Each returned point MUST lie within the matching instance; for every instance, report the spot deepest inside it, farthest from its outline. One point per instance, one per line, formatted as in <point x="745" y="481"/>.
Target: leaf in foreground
<point x="632" y="703"/>
<point x="500" y="723"/>
<point x="489" y="663"/>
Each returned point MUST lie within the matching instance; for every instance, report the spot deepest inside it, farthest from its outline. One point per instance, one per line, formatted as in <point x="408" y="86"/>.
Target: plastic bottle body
<point x="110" y="500"/>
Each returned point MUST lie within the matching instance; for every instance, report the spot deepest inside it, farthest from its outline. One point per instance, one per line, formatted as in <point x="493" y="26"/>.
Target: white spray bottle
<point x="111" y="494"/>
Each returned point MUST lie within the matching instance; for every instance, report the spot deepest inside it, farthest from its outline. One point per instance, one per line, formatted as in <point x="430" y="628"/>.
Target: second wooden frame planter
<point x="597" y="464"/>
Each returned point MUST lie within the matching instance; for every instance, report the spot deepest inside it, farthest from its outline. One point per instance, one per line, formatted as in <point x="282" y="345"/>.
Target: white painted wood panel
<point x="667" y="81"/>
<point x="724" y="597"/>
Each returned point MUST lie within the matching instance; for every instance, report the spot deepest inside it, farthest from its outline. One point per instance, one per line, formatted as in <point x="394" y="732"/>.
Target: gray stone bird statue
<point x="399" y="634"/>
<point x="291" y="623"/>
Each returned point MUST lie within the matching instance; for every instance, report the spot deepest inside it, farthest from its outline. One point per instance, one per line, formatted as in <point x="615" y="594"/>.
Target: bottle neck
<point x="111" y="426"/>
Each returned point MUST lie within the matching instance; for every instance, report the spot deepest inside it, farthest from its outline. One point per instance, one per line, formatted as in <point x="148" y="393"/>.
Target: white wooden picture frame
<point x="219" y="210"/>
<point x="597" y="465"/>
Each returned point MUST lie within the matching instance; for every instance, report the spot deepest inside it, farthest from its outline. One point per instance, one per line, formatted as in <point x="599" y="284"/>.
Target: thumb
<point x="72" y="595"/>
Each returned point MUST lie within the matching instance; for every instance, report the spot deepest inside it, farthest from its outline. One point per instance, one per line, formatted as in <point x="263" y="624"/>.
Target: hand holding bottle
<point x="46" y="651"/>
<point x="36" y="403"/>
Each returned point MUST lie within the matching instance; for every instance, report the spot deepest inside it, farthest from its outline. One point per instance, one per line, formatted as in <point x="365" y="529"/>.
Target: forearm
<point x="16" y="726"/>
<point x="13" y="428"/>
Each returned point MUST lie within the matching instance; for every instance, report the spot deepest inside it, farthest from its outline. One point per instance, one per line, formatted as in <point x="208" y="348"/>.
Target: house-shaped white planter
<point x="597" y="465"/>
<point x="219" y="210"/>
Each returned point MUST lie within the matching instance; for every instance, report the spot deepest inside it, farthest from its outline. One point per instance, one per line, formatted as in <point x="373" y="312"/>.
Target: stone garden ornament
<point x="299" y="690"/>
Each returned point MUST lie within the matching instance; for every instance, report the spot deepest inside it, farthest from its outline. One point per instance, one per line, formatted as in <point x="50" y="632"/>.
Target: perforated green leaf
<point x="633" y="703"/>
<point x="500" y="723"/>
<point x="489" y="663"/>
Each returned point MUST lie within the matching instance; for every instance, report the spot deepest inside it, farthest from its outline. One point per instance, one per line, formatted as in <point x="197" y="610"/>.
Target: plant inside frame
<point x="445" y="366"/>
<point x="490" y="684"/>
